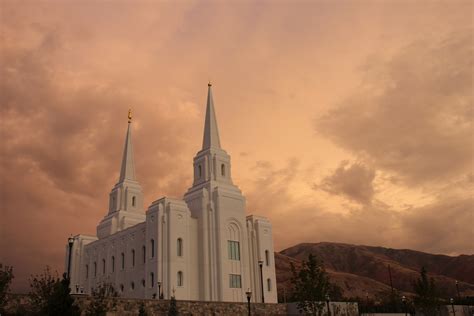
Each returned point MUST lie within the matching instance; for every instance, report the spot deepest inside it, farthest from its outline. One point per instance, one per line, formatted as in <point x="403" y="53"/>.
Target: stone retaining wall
<point x="129" y="307"/>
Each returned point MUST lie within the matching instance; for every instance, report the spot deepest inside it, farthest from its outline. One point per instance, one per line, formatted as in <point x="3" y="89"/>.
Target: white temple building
<point x="201" y="247"/>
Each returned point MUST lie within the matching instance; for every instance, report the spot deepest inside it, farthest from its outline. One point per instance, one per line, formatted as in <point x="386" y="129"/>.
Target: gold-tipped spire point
<point x="130" y="115"/>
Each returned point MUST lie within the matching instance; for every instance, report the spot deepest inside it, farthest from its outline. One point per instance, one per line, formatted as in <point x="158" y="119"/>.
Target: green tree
<point x="141" y="310"/>
<point x="173" y="310"/>
<point x="104" y="294"/>
<point x="50" y="295"/>
<point x="6" y="276"/>
<point x="310" y="286"/>
<point x="426" y="299"/>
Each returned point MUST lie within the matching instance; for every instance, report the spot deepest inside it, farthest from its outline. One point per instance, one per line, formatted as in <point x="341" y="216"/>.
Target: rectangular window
<point x="234" y="250"/>
<point x="269" y="285"/>
<point x="235" y="281"/>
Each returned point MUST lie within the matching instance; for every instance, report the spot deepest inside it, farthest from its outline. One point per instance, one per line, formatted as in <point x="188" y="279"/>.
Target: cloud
<point x="413" y="114"/>
<point x="355" y="182"/>
<point x="70" y="72"/>
<point x="62" y="142"/>
<point x="439" y="227"/>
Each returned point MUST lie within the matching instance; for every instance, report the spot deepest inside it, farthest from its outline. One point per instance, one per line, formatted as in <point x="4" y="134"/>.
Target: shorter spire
<point x="127" y="172"/>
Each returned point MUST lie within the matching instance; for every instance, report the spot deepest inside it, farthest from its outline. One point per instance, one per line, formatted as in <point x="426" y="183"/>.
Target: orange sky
<point x="346" y="121"/>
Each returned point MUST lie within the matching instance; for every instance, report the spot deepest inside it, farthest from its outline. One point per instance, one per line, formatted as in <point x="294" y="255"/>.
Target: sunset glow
<point x="346" y="121"/>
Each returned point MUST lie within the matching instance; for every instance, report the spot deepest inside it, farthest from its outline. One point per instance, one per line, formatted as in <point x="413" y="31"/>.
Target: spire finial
<point x="209" y="84"/>
<point x="130" y="115"/>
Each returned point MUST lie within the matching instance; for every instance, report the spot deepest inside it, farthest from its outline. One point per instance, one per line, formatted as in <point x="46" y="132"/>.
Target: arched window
<point x="223" y="170"/>
<point x="87" y="271"/>
<point x="180" y="247"/>
<point x="144" y="254"/>
<point x="269" y="285"/>
<point x="95" y="269"/>
<point x="143" y="282"/>
<point x="123" y="261"/>
<point x="132" y="285"/>
<point x="267" y="257"/>
<point x="103" y="266"/>
<point x="121" y="287"/>
<point x="133" y="257"/>
<point x="152" y="279"/>
<point x="133" y="200"/>
<point x="200" y="171"/>
<point x="113" y="263"/>
<point x="152" y="245"/>
<point x="180" y="278"/>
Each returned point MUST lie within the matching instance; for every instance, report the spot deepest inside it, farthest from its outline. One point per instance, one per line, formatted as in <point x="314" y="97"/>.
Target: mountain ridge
<point x="360" y="270"/>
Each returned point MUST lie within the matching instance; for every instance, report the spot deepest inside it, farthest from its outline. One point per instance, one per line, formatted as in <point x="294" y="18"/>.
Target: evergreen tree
<point x="6" y="276"/>
<point x="173" y="310"/>
<point x="141" y="310"/>
<point x="310" y="286"/>
<point x="426" y="299"/>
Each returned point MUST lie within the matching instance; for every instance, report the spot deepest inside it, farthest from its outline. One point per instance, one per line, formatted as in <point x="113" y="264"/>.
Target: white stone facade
<point x="202" y="247"/>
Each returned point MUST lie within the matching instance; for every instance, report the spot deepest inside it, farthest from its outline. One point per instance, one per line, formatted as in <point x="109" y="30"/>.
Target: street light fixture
<point x="159" y="290"/>
<point x="260" y="263"/>
<point x="249" y="296"/>
<point x="451" y="300"/>
<point x="327" y="303"/>
<point x="404" y="301"/>
<point x="70" y="242"/>
<point x="457" y="289"/>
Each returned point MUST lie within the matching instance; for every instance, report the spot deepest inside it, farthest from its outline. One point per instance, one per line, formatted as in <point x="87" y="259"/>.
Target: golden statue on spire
<point x="130" y="115"/>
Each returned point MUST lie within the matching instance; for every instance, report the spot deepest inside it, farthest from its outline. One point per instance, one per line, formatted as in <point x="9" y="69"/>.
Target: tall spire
<point x="127" y="172"/>
<point x="211" y="133"/>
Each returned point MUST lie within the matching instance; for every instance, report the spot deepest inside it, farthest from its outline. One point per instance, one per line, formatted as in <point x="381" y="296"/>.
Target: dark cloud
<point x="353" y="181"/>
<point x="62" y="142"/>
<point x="413" y="114"/>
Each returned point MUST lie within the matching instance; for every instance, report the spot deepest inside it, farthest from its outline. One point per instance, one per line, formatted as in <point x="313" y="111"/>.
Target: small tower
<point x="126" y="197"/>
<point x="211" y="163"/>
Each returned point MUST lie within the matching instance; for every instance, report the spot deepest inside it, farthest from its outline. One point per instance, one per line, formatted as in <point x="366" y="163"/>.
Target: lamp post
<point x="457" y="290"/>
<point x="327" y="303"/>
<point x="70" y="242"/>
<point x="451" y="300"/>
<point x="404" y="301"/>
<point x="159" y="290"/>
<point x="249" y="296"/>
<point x="260" y="263"/>
<point x="367" y="302"/>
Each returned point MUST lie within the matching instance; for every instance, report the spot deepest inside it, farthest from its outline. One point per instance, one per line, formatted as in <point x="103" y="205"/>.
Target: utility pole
<point x="390" y="276"/>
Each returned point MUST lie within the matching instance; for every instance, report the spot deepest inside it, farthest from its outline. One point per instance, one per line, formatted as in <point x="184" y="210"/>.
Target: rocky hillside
<point x="359" y="270"/>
